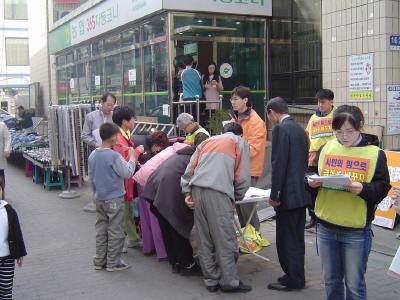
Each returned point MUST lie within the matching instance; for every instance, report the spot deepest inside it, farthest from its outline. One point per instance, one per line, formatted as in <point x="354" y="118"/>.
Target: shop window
<point x="113" y="74"/>
<point x="97" y="79"/>
<point x="112" y="43"/>
<point x="62" y="87"/>
<point x="73" y="85"/>
<point x="97" y="48"/>
<point x="83" y="53"/>
<point x="248" y="29"/>
<point x="132" y="87"/>
<point x="155" y="78"/>
<point x="130" y="37"/>
<point x="70" y="57"/>
<point x="181" y="21"/>
<point x="281" y="87"/>
<point x="153" y="29"/>
<point x="15" y="10"/>
<point x="17" y="52"/>
<point x="280" y="47"/>
<point x="84" y="82"/>
<point x="60" y="60"/>
<point x="306" y="88"/>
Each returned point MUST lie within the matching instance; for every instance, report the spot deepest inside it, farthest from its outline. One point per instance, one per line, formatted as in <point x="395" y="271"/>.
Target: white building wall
<point x="352" y="27"/>
<point x="13" y="76"/>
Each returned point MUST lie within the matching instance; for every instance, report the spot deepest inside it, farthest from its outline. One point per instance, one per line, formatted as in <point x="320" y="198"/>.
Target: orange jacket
<point x="255" y="134"/>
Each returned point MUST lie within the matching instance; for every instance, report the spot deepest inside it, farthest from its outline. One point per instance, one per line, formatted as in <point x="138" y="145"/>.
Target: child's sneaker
<point x="121" y="266"/>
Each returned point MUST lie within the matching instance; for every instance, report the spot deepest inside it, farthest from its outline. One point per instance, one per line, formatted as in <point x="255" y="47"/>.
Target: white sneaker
<point x="124" y="250"/>
<point x="135" y="245"/>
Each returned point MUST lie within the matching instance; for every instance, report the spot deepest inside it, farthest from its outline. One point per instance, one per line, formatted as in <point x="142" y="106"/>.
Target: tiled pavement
<point x="59" y="237"/>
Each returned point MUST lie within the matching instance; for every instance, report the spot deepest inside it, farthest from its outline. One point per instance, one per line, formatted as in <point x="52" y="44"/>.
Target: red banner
<point x="66" y="1"/>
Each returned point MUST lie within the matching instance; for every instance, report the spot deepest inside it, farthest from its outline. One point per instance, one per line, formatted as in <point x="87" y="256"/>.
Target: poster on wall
<point x="361" y="77"/>
<point x="393" y="109"/>
<point x="385" y="214"/>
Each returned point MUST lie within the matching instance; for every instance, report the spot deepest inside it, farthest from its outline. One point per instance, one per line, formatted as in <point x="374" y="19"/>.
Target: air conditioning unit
<point x="62" y="13"/>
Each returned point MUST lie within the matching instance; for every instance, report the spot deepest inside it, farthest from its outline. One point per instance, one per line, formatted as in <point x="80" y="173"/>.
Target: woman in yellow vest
<point x="344" y="214"/>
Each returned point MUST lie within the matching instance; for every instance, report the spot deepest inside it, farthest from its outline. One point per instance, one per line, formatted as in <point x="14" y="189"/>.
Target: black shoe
<point x="163" y="259"/>
<point x="195" y="270"/>
<point x="175" y="269"/>
<point x="310" y="224"/>
<point x="278" y="287"/>
<point x="213" y="288"/>
<point x="242" y="288"/>
<point x="152" y="252"/>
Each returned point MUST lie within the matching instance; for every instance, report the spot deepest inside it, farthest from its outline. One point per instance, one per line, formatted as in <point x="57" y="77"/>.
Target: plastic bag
<point x="253" y="239"/>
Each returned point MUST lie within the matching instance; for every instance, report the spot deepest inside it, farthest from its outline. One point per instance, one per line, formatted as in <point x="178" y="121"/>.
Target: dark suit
<point x="289" y="156"/>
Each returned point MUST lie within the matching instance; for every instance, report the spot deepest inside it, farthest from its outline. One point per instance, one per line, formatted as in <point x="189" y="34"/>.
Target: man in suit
<point x="289" y="156"/>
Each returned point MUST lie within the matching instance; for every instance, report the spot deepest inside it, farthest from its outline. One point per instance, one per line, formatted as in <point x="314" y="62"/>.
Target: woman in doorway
<point x="344" y="215"/>
<point x="211" y="83"/>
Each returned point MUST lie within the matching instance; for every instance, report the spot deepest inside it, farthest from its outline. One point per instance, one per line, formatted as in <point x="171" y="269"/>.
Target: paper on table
<point x="96" y="135"/>
<point x="334" y="181"/>
<point x="252" y="191"/>
<point x="394" y="269"/>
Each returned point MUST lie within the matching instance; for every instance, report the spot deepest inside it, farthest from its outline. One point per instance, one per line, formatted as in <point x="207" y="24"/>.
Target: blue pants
<point x="344" y="255"/>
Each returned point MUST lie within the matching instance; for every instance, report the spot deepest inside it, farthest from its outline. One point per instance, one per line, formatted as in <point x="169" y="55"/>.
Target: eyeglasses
<point x="235" y="99"/>
<point x="348" y="133"/>
<point x="184" y="127"/>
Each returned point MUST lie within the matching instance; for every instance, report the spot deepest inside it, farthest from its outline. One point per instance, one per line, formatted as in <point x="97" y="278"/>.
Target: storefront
<point x="100" y="49"/>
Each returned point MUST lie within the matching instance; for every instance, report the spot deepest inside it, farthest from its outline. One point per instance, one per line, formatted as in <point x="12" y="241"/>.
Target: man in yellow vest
<point x="319" y="131"/>
<point x="195" y="134"/>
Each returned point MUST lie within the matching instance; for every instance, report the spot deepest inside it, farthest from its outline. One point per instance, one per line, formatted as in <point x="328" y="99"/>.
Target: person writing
<point x="344" y="215"/>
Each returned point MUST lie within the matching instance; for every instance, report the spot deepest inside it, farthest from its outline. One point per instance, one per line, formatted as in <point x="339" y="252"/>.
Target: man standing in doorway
<point x="94" y="119"/>
<point x="255" y="134"/>
<point x="288" y="193"/>
<point x="319" y="131"/>
<point x="190" y="84"/>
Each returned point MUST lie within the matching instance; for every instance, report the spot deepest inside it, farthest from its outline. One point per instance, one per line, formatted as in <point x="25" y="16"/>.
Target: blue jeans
<point x="344" y="255"/>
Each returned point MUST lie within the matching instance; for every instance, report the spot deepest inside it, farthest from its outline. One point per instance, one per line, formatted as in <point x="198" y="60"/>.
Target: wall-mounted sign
<point x="394" y="42"/>
<point x="393" y="109"/>
<point x="190" y="48"/>
<point x="361" y="77"/>
<point x="225" y="70"/>
<point x="132" y="75"/>
<point x="72" y="83"/>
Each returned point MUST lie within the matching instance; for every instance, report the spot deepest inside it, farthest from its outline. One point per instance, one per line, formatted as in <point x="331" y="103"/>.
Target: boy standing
<point x="106" y="170"/>
<point x="319" y="131"/>
<point x="255" y="134"/>
<point x="123" y="116"/>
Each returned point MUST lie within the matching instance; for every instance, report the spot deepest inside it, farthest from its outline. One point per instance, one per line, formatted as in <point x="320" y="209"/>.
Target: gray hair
<point x="184" y="118"/>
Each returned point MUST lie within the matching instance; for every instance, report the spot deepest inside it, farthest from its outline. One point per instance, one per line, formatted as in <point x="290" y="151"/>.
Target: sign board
<point x="108" y="15"/>
<point x="385" y="214"/>
<point x="241" y="7"/>
<point x="132" y="75"/>
<point x="225" y="70"/>
<point x="361" y="77"/>
<point x="190" y="48"/>
<point x="96" y="80"/>
<point x="72" y="83"/>
<point x="394" y="42"/>
<point x="393" y="109"/>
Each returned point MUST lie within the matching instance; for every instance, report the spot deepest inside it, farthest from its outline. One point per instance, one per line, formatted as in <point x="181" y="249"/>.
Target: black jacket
<point x="289" y="156"/>
<point x="372" y="192"/>
<point x="15" y="238"/>
<point x="26" y="120"/>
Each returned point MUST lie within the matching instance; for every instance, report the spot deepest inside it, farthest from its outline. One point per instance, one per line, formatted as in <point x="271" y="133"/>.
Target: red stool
<point x="28" y="168"/>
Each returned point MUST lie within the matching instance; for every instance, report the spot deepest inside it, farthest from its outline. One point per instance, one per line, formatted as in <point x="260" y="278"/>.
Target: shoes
<point x="121" y="266"/>
<point x="163" y="259"/>
<point x="278" y="287"/>
<point x="194" y="270"/>
<point x="310" y="224"/>
<point x="196" y="259"/>
<point x="124" y="250"/>
<point x="99" y="267"/>
<point x="175" y="269"/>
<point x="213" y="288"/>
<point x="242" y="288"/>
<point x="135" y="245"/>
<point x="152" y="252"/>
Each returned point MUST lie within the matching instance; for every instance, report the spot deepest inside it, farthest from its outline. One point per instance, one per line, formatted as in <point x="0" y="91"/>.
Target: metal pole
<point x="197" y="108"/>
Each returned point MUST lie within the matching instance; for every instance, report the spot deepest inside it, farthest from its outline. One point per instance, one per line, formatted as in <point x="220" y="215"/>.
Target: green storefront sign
<point x="60" y="38"/>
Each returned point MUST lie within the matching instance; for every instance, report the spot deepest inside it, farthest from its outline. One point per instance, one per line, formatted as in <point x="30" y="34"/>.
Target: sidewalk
<point x="60" y="241"/>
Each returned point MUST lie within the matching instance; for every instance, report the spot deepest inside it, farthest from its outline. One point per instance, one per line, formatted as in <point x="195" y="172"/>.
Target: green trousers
<point x="130" y="227"/>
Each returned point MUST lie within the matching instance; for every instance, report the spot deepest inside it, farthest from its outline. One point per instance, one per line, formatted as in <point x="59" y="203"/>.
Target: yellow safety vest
<point x="320" y="130"/>
<point x="190" y="137"/>
<point x="339" y="206"/>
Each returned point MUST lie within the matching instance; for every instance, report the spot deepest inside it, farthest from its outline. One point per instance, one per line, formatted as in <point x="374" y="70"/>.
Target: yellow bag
<point x="253" y="240"/>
